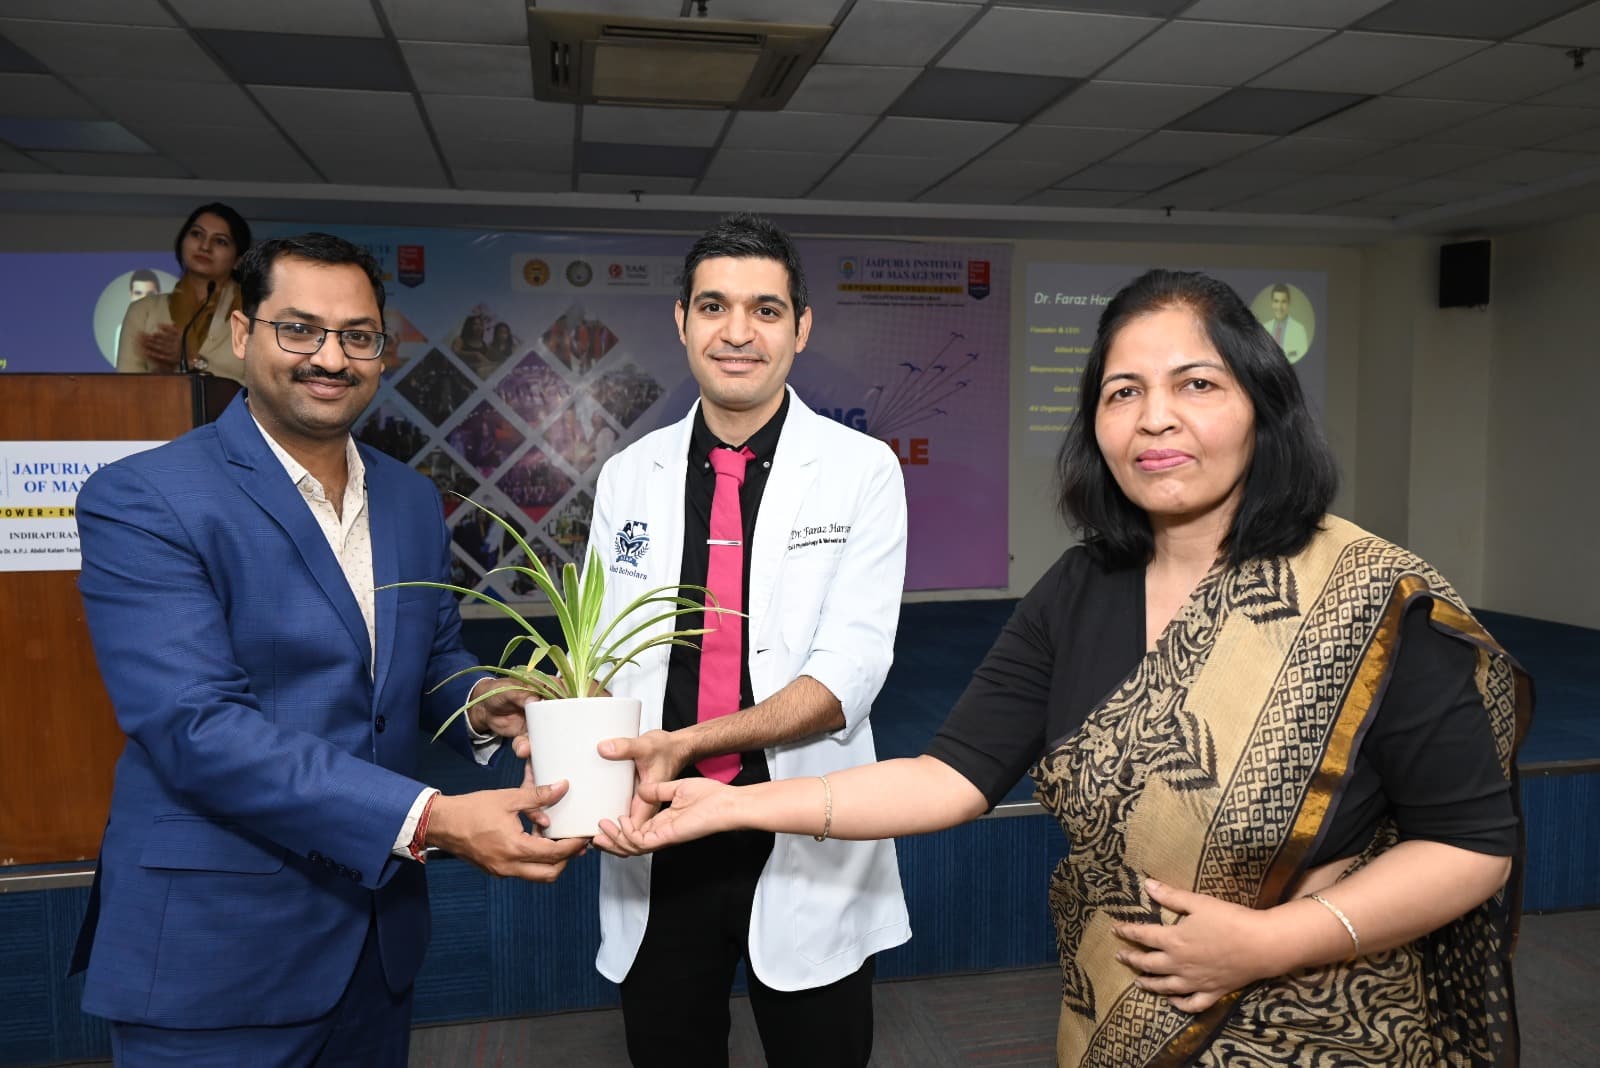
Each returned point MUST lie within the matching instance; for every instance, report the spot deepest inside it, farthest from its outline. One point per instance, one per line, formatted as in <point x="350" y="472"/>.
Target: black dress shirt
<point x="682" y="701"/>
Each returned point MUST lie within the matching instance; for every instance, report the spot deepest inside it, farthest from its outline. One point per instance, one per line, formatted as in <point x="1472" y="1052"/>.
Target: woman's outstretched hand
<point x="695" y="808"/>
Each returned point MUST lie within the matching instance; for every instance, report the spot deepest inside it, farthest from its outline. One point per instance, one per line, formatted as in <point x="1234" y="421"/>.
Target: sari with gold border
<point x="1216" y="766"/>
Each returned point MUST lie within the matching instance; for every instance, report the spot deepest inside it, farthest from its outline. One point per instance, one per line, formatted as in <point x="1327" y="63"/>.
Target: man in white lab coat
<point x="810" y="529"/>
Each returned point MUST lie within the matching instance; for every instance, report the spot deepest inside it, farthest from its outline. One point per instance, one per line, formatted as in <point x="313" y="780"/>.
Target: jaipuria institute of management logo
<point x="632" y="542"/>
<point x="847" y="268"/>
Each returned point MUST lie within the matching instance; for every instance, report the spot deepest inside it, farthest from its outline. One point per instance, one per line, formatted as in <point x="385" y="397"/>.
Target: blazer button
<point x="379" y="724"/>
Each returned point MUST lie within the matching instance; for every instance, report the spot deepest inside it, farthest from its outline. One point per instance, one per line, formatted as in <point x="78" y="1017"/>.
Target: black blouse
<point x="1428" y="758"/>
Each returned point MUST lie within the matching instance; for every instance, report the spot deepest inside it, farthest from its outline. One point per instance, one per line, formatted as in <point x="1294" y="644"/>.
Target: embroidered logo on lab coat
<point x="632" y="542"/>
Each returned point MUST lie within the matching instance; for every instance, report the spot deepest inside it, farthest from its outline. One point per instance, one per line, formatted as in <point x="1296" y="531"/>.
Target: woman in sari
<point x="1282" y="748"/>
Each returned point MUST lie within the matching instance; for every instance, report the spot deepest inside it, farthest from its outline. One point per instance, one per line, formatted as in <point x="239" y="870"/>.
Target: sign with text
<point x="39" y="495"/>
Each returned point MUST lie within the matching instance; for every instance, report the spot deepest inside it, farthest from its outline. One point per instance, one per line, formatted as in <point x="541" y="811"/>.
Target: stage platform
<point x="977" y="893"/>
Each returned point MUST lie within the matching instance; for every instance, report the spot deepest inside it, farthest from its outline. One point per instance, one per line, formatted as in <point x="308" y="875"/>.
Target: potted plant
<point x="575" y="711"/>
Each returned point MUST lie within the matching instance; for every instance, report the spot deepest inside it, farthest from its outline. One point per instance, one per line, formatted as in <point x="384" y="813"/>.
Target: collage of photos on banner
<point x="516" y="419"/>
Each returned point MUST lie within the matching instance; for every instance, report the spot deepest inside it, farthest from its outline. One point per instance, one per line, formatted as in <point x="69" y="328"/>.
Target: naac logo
<point x="633" y="541"/>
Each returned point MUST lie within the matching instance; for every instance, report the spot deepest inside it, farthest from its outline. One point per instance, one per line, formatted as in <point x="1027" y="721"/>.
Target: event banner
<point x="1064" y="305"/>
<point x="39" y="483"/>
<point x="521" y="361"/>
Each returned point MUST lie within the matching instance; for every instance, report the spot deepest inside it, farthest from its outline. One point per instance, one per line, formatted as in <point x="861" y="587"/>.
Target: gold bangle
<point x="1338" y="913"/>
<point x="827" y="810"/>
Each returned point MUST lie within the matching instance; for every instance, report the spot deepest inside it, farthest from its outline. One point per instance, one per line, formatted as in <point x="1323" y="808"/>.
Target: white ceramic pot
<point x="563" y="736"/>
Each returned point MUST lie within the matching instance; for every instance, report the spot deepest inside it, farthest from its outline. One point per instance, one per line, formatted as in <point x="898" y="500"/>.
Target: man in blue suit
<point x="260" y="897"/>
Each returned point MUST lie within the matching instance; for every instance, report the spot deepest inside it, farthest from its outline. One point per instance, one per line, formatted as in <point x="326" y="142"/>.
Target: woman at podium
<point x="187" y="329"/>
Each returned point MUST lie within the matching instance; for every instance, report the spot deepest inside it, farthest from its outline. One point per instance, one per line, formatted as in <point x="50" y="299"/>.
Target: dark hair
<point x="1281" y="287"/>
<point x="238" y="229"/>
<point x="254" y="270"/>
<point x="743" y="235"/>
<point x="144" y="274"/>
<point x="1292" y="476"/>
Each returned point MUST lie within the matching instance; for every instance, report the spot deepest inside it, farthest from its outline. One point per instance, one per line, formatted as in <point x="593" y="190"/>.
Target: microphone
<point x="183" y="338"/>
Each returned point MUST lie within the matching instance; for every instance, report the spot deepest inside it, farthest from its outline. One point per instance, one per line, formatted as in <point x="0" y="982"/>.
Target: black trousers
<point x="675" y="997"/>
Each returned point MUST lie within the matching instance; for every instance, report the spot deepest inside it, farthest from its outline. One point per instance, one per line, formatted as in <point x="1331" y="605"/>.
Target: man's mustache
<point x="305" y="372"/>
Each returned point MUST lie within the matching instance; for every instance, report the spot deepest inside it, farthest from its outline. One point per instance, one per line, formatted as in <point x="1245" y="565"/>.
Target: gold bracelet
<point x="1338" y="913"/>
<point x="827" y="809"/>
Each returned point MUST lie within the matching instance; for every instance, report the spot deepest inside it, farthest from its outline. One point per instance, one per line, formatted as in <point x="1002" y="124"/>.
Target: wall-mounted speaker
<point x="1464" y="274"/>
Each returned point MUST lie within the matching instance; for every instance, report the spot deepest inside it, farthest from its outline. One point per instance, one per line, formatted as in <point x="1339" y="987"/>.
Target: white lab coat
<point x="825" y="584"/>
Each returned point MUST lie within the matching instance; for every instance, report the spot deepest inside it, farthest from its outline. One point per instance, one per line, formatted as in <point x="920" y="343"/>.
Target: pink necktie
<point x="1277" y="331"/>
<point x="721" y="651"/>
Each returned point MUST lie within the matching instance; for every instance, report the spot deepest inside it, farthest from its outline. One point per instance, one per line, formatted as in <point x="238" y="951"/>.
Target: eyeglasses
<point x="303" y="339"/>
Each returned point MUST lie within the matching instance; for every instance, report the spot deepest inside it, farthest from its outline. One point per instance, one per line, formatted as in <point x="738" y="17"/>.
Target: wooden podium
<point x="59" y="741"/>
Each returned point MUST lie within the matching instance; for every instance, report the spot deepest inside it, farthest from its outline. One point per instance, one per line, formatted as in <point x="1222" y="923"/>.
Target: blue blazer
<point x="269" y="766"/>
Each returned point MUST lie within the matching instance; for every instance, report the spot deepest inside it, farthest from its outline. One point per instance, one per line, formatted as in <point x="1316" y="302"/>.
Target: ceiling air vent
<point x="704" y="63"/>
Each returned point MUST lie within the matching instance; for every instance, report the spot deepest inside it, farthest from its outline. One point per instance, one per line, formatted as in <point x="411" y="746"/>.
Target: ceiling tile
<point x="488" y="154"/>
<point x="752" y="172"/>
<point x="1267" y="111"/>
<point x="1079" y="198"/>
<point x="1580" y="29"/>
<point x="1367" y="62"/>
<point x="653" y="126"/>
<point x="1395" y="118"/>
<point x="1127" y="105"/>
<point x="382" y="157"/>
<point x="795" y="131"/>
<point x="1584" y="93"/>
<point x="642" y="184"/>
<point x="1520" y="125"/>
<point x="1364" y="209"/>
<point x="469" y="69"/>
<point x="353" y="110"/>
<point x="1421" y="159"/>
<point x="1066" y="145"/>
<point x="1465" y="18"/>
<point x="1184" y="147"/>
<point x="898" y="171"/>
<point x="1210" y="53"/>
<point x="502" y="118"/>
<point x="512" y="181"/>
<point x="121" y="12"/>
<point x="480" y="22"/>
<point x="15" y="162"/>
<point x="308" y="60"/>
<point x="1301" y="153"/>
<point x="339" y="18"/>
<point x="1437" y="191"/>
<point x="153" y="103"/>
<point x="1587" y="141"/>
<point x="70" y="135"/>
<point x="1066" y="44"/>
<point x="39" y="96"/>
<point x="112" y="164"/>
<point x="1530" y="166"/>
<point x="14" y="60"/>
<point x="1505" y="72"/>
<point x="1007" y="174"/>
<point x="114" y="51"/>
<point x="1281" y="203"/>
<point x="1137" y="178"/>
<point x="1336" y="188"/>
<point x="895" y="32"/>
<point x="875" y="191"/>
<point x="231" y="154"/>
<point x="664" y="161"/>
<point x="1332" y="14"/>
<point x="1211" y="189"/>
<point x="934" y="138"/>
<point x="842" y="89"/>
<point x="981" y="95"/>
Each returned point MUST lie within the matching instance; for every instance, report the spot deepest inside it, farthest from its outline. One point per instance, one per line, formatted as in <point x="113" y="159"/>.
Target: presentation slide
<point x="62" y="311"/>
<point x="1064" y="302"/>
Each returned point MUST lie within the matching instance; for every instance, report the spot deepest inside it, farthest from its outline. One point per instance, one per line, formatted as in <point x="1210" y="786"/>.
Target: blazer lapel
<point x="793" y="469"/>
<point x="383" y="524"/>
<point x="263" y="478"/>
